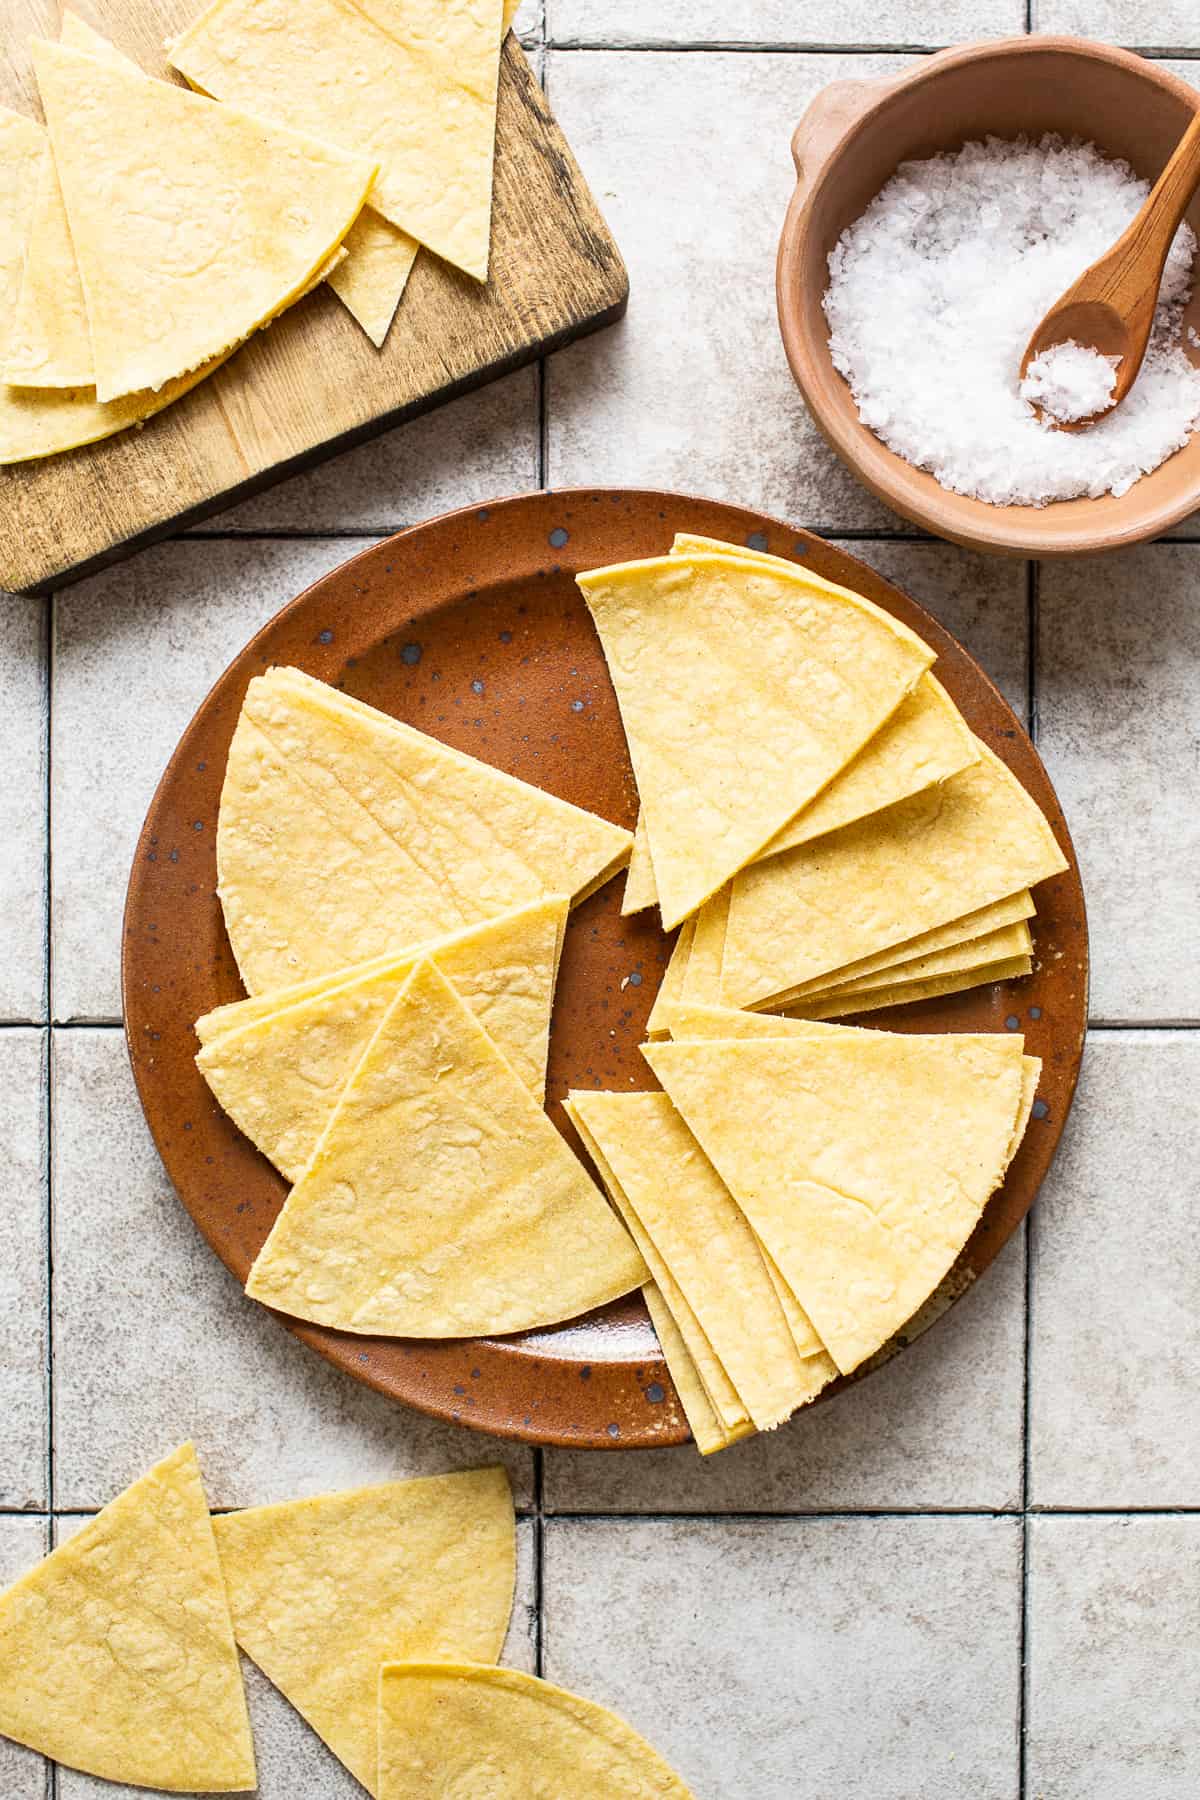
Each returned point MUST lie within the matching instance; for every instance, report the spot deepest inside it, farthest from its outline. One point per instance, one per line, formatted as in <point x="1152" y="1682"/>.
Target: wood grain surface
<point x="312" y="383"/>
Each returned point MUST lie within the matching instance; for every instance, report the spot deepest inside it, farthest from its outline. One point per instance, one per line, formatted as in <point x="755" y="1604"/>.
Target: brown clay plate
<point x="471" y="628"/>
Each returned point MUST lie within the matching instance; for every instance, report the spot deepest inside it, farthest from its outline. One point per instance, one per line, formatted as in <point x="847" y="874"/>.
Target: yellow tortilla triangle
<point x="702" y="977"/>
<point x="117" y="1654"/>
<point x="902" y="993"/>
<point x="372" y="280"/>
<point x="280" y="1075"/>
<point x="863" y="1160"/>
<point x="743" y="691"/>
<point x="324" y="1591"/>
<point x="1006" y="944"/>
<point x="342" y="832"/>
<point x="707" y="1244"/>
<point x="441" y="1201"/>
<point x="670" y="988"/>
<point x="183" y="257"/>
<point x="450" y="1731"/>
<point x="640" y="891"/>
<point x="24" y="154"/>
<point x="408" y="86"/>
<point x="977" y="838"/>
<point x="710" y="1371"/>
<point x="708" y="1433"/>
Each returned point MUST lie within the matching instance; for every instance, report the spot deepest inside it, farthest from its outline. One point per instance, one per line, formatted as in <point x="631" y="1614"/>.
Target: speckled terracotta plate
<point x="471" y="628"/>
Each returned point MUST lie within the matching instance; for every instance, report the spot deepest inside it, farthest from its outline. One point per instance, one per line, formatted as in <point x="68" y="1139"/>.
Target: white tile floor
<point x="975" y="1574"/>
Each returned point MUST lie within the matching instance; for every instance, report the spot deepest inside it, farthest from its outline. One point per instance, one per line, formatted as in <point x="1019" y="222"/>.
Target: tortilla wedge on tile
<point x="440" y="1201"/>
<point x="117" y="1654"/>
<point x="324" y="1590"/>
<point x="279" y="1075"/>
<point x="743" y="691"/>
<point x="343" y="832"/>
<point x="975" y="839"/>
<point x="450" y="1730"/>
<point x="863" y="1160"/>
<point x="706" y="1242"/>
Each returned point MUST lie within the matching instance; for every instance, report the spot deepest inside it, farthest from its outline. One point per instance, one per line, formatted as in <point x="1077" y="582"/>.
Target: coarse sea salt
<point x="1070" y="381"/>
<point x="935" y="291"/>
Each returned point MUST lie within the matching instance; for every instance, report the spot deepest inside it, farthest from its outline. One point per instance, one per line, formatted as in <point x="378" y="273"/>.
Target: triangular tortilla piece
<point x="324" y="1590"/>
<point x="458" y="1733"/>
<point x="959" y="931"/>
<point x="863" y="1162"/>
<point x="670" y="990"/>
<point x="640" y="889"/>
<point x="441" y="1201"/>
<point x="183" y="257"/>
<point x="702" y="976"/>
<point x="279" y="1076"/>
<point x="117" y="1654"/>
<point x="707" y="1430"/>
<point x="714" y="1378"/>
<point x="373" y="278"/>
<point x="703" y="1022"/>
<point x="408" y="86"/>
<point x="743" y="691"/>
<point x="926" y="740"/>
<point x="977" y="838"/>
<point x="342" y="832"/>
<point x="705" y="1241"/>
<point x="1011" y="941"/>
<point x="24" y="154"/>
<point x="904" y="993"/>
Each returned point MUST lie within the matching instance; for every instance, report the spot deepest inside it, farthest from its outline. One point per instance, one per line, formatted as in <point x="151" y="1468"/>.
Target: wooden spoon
<point x="1111" y="307"/>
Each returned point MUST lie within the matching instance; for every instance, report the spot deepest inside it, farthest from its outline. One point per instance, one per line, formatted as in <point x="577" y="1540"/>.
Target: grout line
<point x="51" y="641"/>
<point x="769" y="47"/>
<point x="1033" y="580"/>
<point x="722" y="1518"/>
<point x="539" y="1561"/>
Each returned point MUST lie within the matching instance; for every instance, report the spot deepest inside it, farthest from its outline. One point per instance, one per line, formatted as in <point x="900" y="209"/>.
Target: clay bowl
<point x="848" y="144"/>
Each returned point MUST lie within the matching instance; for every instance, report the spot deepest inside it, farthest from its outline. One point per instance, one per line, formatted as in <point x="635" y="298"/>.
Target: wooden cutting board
<point x="313" y="383"/>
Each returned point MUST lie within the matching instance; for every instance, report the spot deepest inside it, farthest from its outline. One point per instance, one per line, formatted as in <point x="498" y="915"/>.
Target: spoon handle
<point x="1141" y="251"/>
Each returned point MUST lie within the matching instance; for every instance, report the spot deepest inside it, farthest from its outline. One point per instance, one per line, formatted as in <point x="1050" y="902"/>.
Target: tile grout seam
<point x="1032" y="646"/>
<point x="51" y="1495"/>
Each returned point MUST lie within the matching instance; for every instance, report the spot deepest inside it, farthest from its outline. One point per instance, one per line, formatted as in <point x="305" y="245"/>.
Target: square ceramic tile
<point x="1115" y="1295"/>
<point x="1139" y="24"/>
<point x="476" y="448"/>
<point x="907" y="23"/>
<point x="23" y="1542"/>
<point x="293" y="1763"/>
<point x="137" y="649"/>
<point x="689" y="159"/>
<point x="155" y="1342"/>
<point x="24" y="1298"/>
<point x="872" y="1659"/>
<point x="939" y="1426"/>
<point x="982" y="600"/>
<point x="1114" y="1674"/>
<point x="1118" y="699"/>
<point x="23" y="684"/>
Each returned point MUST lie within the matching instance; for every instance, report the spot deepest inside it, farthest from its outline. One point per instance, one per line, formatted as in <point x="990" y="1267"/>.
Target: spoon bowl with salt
<point x="1085" y="355"/>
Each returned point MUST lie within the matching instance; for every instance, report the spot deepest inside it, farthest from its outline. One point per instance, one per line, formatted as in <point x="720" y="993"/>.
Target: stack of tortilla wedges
<point x="830" y="837"/>
<point x="379" y="1613"/>
<point x="397" y="911"/>
<point x="150" y="228"/>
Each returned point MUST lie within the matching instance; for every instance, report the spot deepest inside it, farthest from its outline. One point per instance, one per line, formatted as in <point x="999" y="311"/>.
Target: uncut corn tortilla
<point x="689" y="1023"/>
<point x="706" y="1428"/>
<point x="410" y="87"/>
<point x="707" y="1244"/>
<point x="743" y="691"/>
<point x="183" y="258"/>
<point x="117" y="1654"/>
<point x="279" y="1076"/>
<point x="976" y="838"/>
<point x="343" y="832"/>
<point x="671" y="987"/>
<point x="903" y="993"/>
<point x="24" y="154"/>
<point x="640" y="891"/>
<point x="815" y="1139"/>
<point x="441" y="1201"/>
<point x="451" y="1732"/>
<point x="723" y="1397"/>
<point x="958" y="931"/>
<point x="323" y="1591"/>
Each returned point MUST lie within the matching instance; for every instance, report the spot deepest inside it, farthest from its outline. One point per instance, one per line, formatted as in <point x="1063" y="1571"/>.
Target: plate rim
<point x="612" y="1385"/>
